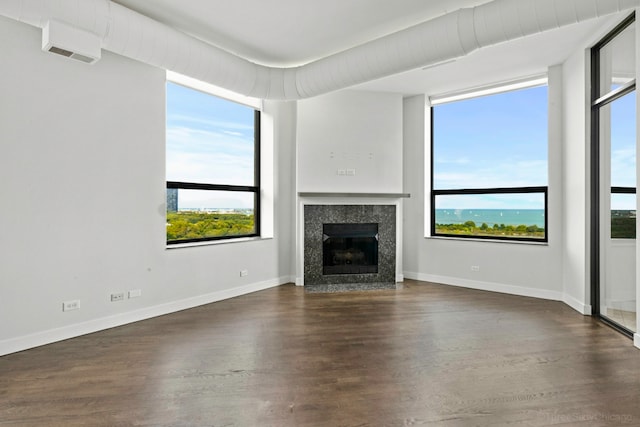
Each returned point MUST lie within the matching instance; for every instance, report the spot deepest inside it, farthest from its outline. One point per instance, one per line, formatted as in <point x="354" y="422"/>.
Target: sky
<point x="501" y="141"/>
<point x="211" y="141"/>
<point x="623" y="152"/>
<point x="489" y="142"/>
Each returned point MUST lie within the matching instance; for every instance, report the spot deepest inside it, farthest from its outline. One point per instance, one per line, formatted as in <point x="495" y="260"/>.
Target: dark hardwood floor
<point x="423" y="354"/>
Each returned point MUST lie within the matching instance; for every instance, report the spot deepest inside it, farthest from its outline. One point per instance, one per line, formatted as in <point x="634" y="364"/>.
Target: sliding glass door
<point x="614" y="178"/>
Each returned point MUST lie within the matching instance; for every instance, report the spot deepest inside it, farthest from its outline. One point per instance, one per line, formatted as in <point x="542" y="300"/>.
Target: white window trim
<point x="213" y="90"/>
<point x="492" y="89"/>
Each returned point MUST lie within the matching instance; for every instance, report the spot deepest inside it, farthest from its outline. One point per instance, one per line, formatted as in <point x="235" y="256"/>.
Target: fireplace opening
<point x="349" y="248"/>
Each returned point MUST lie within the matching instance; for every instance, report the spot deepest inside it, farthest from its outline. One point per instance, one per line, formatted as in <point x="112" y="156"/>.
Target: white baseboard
<point x="572" y="302"/>
<point x="636" y="340"/>
<point x="486" y="286"/>
<point x="577" y="305"/>
<point x="13" y="345"/>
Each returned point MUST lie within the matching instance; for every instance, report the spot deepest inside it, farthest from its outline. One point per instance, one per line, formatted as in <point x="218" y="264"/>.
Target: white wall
<point x="518" y="268"/>
<point x="83" y="199"/>
<point x="575" y="180"/>
<point x="284" y="166"/>
<point x="355" y="130"/>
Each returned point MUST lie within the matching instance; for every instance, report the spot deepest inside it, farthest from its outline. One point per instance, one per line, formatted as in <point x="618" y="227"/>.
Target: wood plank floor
<point x="423" y="354"/>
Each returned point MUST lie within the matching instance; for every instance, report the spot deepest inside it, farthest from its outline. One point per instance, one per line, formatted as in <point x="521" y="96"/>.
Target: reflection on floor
<point x="624" y="318"/>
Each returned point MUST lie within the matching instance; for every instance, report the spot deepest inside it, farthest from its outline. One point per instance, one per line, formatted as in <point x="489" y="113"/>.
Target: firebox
<point x="349" y="248"/>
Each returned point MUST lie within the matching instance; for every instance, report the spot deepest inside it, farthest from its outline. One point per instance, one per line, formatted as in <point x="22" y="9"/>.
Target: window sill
<point x="471" y="239"/>
<point x="216" y="242"/>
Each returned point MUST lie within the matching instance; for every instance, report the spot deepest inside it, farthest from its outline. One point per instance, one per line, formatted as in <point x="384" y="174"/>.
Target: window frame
<point x="596" y="102"/>
<point x="478" y="93"/>
<point x="255" y="189"/>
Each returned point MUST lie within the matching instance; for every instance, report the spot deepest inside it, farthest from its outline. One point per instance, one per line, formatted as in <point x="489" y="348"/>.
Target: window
<point x="489" y="165"/>
<point x="212" y="166"/>
<point x="621" y="120"/>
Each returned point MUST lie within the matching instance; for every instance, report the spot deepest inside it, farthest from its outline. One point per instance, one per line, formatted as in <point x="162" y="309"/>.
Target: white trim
<point x="205" y="87"/>
<point x="501" y="87"/>
<point x="577" y="305"/>
<point x="216" y="242"/>
<point x="486" y="286"/>
<point x="636" y="340"/>
<point x="13" y="345"/>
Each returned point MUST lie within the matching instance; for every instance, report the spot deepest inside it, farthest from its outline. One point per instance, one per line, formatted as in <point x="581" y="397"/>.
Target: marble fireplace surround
<point x="316" y="209"/>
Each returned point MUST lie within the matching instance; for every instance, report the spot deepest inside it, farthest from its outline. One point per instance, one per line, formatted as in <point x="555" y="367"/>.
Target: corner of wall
<point x="577" y="305"/>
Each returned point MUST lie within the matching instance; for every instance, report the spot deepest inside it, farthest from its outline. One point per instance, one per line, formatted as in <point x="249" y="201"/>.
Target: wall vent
<point x="74" y="43"/>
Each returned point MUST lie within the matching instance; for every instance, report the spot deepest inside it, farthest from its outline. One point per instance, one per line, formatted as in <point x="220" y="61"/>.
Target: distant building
<point x="172" y="200"/>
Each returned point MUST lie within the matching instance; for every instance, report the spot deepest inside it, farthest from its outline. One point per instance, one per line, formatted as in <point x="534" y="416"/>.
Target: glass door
<point x="614" y="178"/>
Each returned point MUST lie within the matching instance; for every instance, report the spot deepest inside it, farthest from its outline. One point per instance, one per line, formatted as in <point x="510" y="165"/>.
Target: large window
<point x="212" y="160"/>
<point x="489" y="166"/>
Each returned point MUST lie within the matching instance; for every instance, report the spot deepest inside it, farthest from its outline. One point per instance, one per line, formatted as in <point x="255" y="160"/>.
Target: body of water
<point x="491" y="216"/>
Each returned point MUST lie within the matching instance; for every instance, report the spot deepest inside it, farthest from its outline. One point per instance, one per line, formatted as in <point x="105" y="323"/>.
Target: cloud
<point x="228" y="132"/>
<point x="195" y="155"/>
<point x="454" y="161"/>
<point x="523" y="173"/>
<point x="623" y="167"/>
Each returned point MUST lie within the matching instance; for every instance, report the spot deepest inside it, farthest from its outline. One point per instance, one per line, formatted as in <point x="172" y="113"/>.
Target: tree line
<point x="470" y="228"/>
<point x="198" y="225"/>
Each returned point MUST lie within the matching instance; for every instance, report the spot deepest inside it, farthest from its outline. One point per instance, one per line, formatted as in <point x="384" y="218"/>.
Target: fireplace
<point x="349" y="248"/>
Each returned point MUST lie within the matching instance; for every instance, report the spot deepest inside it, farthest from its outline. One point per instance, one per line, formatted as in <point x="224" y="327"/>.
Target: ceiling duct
<point x="447" y="37"/>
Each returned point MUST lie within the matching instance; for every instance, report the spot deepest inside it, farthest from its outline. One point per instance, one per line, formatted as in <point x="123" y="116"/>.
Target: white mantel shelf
<point x="372" y="195"/>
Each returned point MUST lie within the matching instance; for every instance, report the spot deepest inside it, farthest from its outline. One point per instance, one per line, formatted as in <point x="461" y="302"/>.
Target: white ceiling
<point x="294" y="32"/>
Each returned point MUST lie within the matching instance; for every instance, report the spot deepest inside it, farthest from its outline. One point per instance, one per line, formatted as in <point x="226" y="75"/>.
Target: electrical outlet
<point x="351" y="172"/>
<point x="244" y="273"/>
<point x="71" y="305"/>
<point x="117" y="296"/>
<point x="135" y="293"/>
<point x="475" y="268"/>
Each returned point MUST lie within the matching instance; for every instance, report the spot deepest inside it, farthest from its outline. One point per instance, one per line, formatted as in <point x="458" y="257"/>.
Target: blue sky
<point x="501" y="141"/>
<point x="209" y="140"/>
<point x="623" y="149"/>
<point x="492" y="141"/>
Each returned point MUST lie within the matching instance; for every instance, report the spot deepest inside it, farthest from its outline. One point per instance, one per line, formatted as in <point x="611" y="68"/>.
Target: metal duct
<point x="450" y="36"/>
